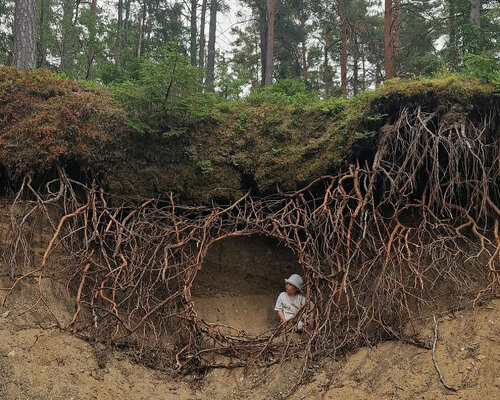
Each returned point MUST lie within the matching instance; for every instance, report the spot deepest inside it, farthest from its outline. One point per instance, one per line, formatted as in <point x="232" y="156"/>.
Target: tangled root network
<point x="408" y="229"/>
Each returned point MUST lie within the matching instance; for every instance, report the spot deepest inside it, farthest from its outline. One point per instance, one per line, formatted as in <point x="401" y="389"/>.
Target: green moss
<point x="205" y="166"/>
<point x="262" y="143"/>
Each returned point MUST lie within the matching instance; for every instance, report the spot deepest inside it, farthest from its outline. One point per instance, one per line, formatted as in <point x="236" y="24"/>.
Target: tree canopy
<point x="332" y="46"/>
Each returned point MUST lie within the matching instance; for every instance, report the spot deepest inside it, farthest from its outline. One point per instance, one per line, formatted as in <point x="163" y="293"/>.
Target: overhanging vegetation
<point x="272" y="139"/>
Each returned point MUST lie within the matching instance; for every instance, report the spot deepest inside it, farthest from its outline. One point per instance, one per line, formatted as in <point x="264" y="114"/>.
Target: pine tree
<point x="67" y="37"/>
<point x="271" y="9"/>
<point x="211" y="46"/>
<point x="193" y="32"/>
<point x="475" y="13"/>
<point x="92" y="37"/>
<point x="388" y="44"/>
<point x="343" y="60"/>
<point x="24" y="33"/>
<point x="201" y="53"/>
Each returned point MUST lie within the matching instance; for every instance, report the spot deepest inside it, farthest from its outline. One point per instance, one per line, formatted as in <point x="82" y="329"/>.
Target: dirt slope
<point x="38" y="363"/>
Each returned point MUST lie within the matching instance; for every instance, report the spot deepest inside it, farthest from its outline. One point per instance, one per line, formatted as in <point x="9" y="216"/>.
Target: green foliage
<point x="426" y="64"/>
<point x="245" y="55"/>
<point x="288" y="87"/>
<point x="240" y="160"/>
<point x="417" y="36"/>
<point x="6" y="14"/>
<point x="285" y="92"/>
<point x="484" y="68"/>
<point x="161" y="93"/>
<point x="205" y="166"/>
<point x="110" y="72"/>
<point x="229" y="83"/>
<point x="242" y="123"/>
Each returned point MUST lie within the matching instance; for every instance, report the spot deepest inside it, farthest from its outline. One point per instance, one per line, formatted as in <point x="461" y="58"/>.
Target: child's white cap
<point x="295" y="280"/>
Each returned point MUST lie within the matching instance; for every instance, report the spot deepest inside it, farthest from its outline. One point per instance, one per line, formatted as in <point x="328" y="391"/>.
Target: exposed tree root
<point x="434" y="345"/>
<point x="379" y="243"/>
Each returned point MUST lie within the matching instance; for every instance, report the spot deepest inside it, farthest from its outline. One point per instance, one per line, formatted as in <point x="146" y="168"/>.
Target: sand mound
<point x="42" y="363"/>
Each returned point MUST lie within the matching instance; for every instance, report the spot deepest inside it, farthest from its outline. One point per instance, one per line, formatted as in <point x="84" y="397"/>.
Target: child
<point x="290" y="301"/>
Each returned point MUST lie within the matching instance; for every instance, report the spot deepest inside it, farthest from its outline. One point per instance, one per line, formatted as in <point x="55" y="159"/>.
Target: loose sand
<point x="41" y="363"/>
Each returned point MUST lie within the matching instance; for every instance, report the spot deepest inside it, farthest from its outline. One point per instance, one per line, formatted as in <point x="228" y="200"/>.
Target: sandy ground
<point x="37" y="362"/>
<point x="253" y="314"/>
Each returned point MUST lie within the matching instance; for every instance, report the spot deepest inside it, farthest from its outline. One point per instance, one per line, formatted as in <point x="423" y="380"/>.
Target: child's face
<point x="290" y="289"/>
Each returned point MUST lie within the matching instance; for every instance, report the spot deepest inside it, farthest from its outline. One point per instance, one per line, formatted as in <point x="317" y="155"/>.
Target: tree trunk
<point x="271" y="10"/>
<point x="193" y="32"/>
<point x="388" y="44"/>
<point x="263" y="39"/>
<point x="343" y="59"/>
<point x="126" y="24"/>
<point x="142" y="19"/>
<point x="75" y="14"/>
<point x="24" y="32"/>
<point x="475" y="12"/>
<point x="201" y="53"/>
<point x="92" y="37"/>
<point x="256" y="67"/>
<point x="211" y="46"/>
<point x="453" y="34"/>
<point x="303" y="42"/>
<point x="148" y="25"/>
<point x="326" y="70"/>
<point x="395" y="34"/>
<point x="378" y="73"/>
<point x="119" y="28"/>
<point x="355" y="76"/>
<point x="41" y="45"/>
<point x="67" y="37"/>
<point x="304" y="61"/>
<point x="363" y="66"/>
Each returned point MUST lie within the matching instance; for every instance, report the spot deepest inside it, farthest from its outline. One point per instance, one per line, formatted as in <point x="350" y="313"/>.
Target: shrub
<point x="484" y="68"/>
<point x="162" y="96"/>
<point x="284" y="92"/>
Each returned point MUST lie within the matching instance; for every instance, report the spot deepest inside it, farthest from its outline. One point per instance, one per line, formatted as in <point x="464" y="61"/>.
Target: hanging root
<point x="434" y="345"/>
<point x="414" y="228"/>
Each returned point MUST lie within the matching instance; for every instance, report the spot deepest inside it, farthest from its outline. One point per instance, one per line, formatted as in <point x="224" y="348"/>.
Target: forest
<point x="234" y="47"/>
<point x="175" y="69"/>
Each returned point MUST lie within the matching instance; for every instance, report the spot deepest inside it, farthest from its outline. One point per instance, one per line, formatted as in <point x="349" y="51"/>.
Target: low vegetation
<point x="168" y="137"/>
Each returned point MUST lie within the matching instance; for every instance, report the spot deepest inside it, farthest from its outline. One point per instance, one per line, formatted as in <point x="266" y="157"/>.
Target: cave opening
<point x="240" y="280"/>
